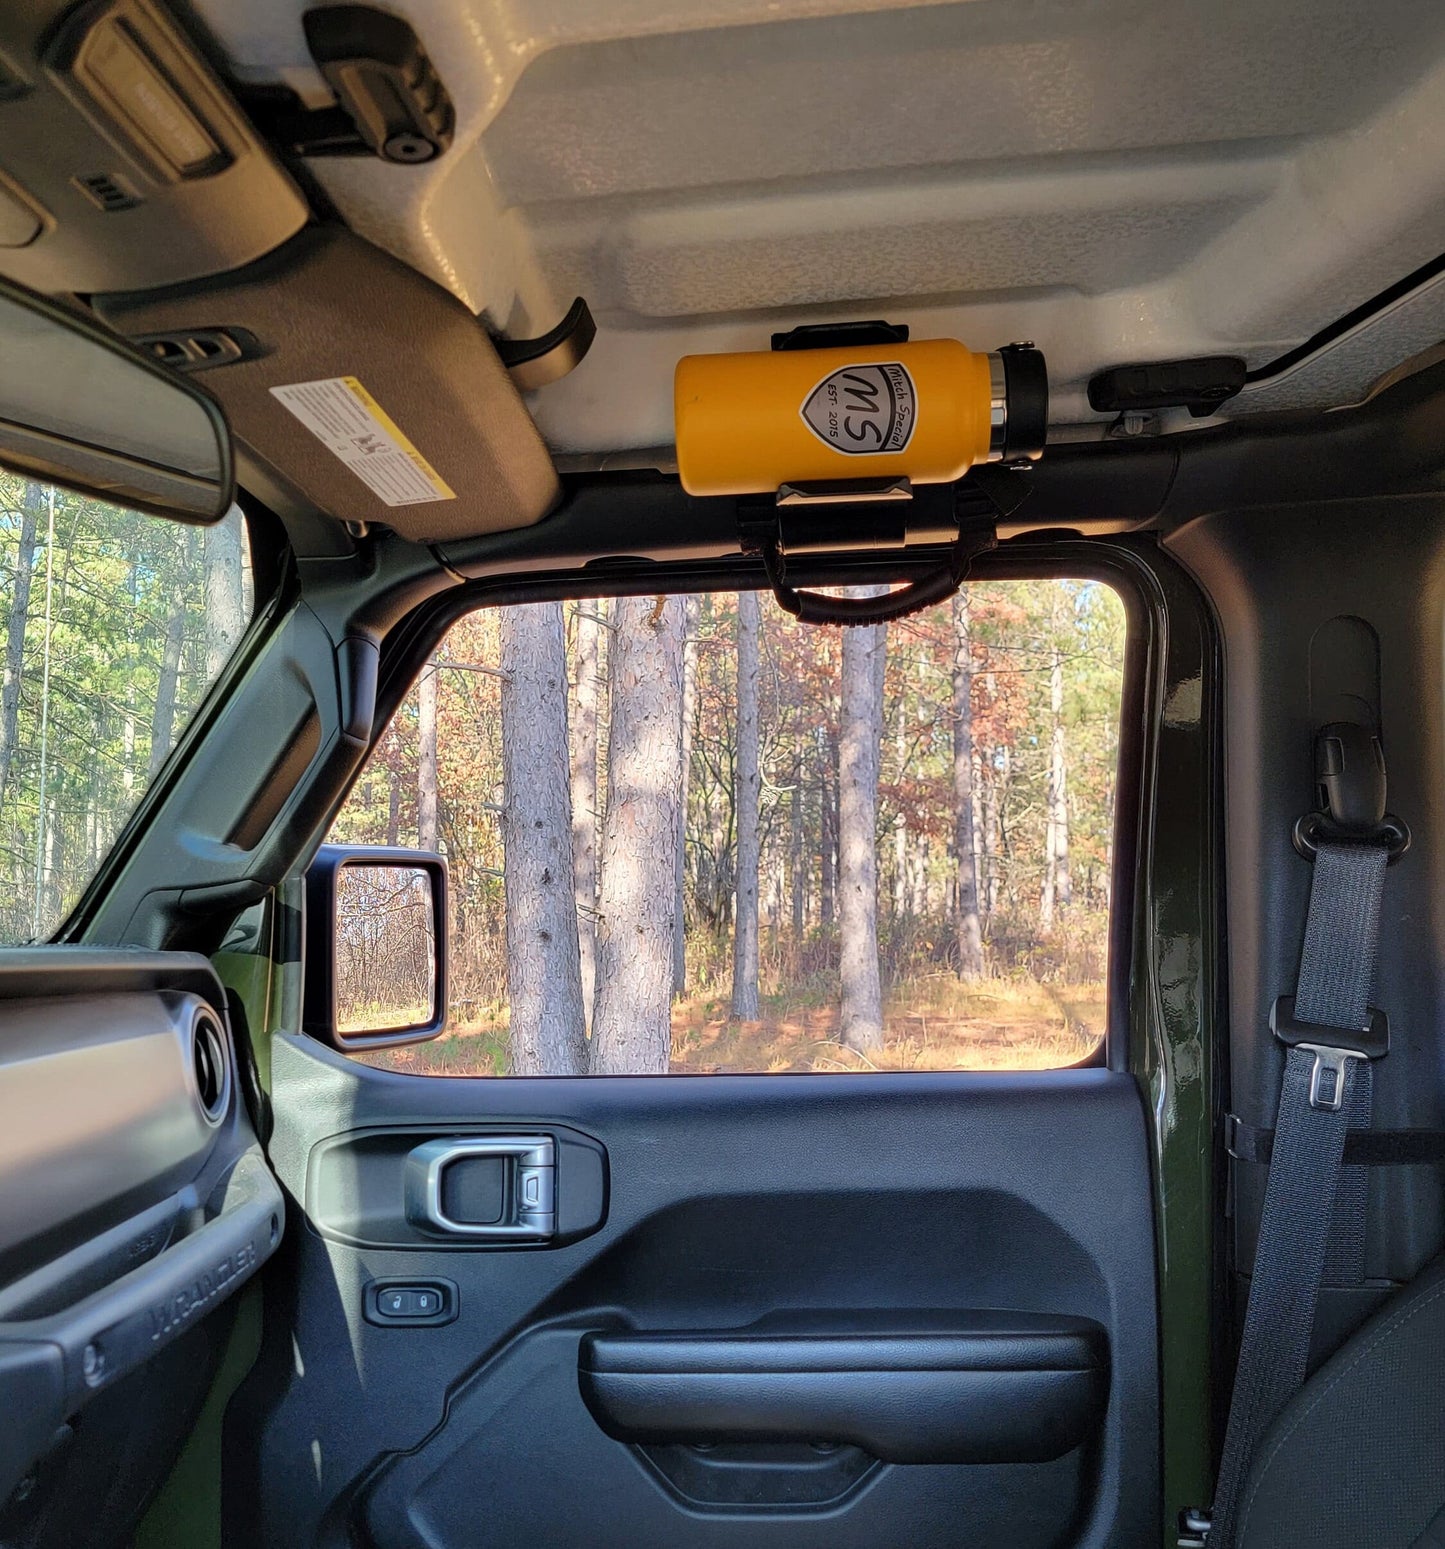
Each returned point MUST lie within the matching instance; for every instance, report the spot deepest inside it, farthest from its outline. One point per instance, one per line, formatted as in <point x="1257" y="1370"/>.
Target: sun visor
<point x="373" y="391"/>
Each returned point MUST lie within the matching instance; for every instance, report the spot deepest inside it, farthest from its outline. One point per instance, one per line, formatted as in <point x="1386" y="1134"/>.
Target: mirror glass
<point x="386" y="961"/>
<point x="81" y="410"/>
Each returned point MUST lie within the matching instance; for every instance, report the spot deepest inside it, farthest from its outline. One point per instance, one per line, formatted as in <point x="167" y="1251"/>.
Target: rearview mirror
<point x="376" y="946"/>
<point x="81" y="408"/>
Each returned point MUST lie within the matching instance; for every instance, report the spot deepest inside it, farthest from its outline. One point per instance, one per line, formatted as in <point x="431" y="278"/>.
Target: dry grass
<point x="931" y="1023"/>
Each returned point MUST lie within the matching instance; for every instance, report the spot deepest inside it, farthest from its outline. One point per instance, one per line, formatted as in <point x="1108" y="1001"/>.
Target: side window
<point x="690" y="835"/>
<point x="114" y="626"/>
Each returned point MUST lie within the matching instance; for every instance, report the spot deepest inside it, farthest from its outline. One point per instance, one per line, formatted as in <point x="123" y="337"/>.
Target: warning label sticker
<point x="863" y="409"/>
<point x="344" y="417"/>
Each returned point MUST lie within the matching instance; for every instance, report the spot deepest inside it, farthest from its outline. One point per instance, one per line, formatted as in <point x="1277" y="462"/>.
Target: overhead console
<point x="124" y="162"/>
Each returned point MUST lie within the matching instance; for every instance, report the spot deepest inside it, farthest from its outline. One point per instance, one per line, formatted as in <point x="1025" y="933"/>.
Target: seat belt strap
<point x="1330" y="1033"/>
<point x="1345" y="1255"/>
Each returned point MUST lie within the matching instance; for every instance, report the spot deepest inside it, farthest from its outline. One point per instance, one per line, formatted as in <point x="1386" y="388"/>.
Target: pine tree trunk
<point x="795" y="841"/>
<point x="691" y="612"/>
<point x="584" y="795"/>
<point x="163" y="721"/>
<point x="544" y="976"/>
<point x="918" y="876"/>
<point x="1008" y="888"/>
<point x="992" y="847"/>
<point x="94" y="847"/>
<point x="427" y="829"/>
<point x="828" y="827"/>
<point x="54" y="889"/>
<point x="859" y="751"/>
<point x="632" y="1027"/>
<point x="970" y="932"/>
<point x="748" y="784"/>
<point x="898" y="891"/>
<point x="225" y="613"/>
<point x="127" y="739"/>
<point x="1056" y="888"/>
<point x="980" y="857"/>
<point x="1059" y="783"/>
<point x="15" y="628"/>
<point x="393" y="812"/>
<point x="1106" y="889"/>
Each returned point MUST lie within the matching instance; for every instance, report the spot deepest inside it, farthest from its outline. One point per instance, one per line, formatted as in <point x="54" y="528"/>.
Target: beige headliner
<point x="1119" y="180"/>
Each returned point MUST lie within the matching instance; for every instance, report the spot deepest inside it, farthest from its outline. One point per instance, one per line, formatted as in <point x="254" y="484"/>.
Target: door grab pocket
<point x="980" y="1388"/>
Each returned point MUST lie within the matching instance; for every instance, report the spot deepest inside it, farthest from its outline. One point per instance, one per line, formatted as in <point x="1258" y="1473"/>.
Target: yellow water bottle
<point x="866" y="405"/>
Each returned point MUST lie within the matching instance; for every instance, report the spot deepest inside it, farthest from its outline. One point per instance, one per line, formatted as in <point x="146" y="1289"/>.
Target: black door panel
<point x="889" y="1224"/>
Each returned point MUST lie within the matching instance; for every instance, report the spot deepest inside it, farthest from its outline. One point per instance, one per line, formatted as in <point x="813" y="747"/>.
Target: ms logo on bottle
<point x="863" y="409"/>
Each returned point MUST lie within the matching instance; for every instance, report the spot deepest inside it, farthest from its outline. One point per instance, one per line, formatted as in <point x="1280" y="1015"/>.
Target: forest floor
<point x="930" y="1023"/>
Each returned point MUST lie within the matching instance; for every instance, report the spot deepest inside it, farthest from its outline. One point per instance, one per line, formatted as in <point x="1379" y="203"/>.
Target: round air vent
<point x="213" y="1071"/>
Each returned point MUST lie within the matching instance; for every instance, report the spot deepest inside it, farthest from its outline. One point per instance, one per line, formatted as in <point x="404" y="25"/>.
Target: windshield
<point x="115" y="624"/>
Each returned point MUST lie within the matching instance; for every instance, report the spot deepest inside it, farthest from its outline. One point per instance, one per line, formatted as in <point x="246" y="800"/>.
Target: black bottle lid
<point x="1026" y="388"/>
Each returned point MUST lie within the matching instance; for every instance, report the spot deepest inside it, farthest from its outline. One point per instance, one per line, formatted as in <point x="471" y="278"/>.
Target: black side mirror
<point x="376" y="947"/>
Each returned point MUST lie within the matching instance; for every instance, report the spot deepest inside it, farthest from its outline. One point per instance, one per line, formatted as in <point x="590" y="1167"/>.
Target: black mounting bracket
<point x="391" y="102"/>
<point x="832" y="336"/>
<point x="846" y="521"/>
<point x="1197" y="385"/>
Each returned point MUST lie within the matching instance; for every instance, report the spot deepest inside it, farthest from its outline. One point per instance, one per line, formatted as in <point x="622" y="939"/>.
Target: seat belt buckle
<point x="1332" y="1047"/>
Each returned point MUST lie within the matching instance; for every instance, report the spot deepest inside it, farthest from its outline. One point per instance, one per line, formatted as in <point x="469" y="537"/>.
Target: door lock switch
<point x="410" y="1303"/>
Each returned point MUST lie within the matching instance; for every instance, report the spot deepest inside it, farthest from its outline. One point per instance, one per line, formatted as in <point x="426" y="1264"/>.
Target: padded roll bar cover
<point x="329" y="304"/>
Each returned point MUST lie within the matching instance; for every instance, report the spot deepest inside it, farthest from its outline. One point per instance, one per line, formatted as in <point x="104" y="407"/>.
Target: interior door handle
<point x="529" y="1186"/>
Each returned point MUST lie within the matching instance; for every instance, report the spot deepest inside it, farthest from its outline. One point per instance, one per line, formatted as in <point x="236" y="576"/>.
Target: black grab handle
<point x="854" y="612"/>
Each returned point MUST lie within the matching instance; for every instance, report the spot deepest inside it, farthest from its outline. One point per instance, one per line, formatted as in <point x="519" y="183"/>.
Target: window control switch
<point x="410" y="1303"/>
